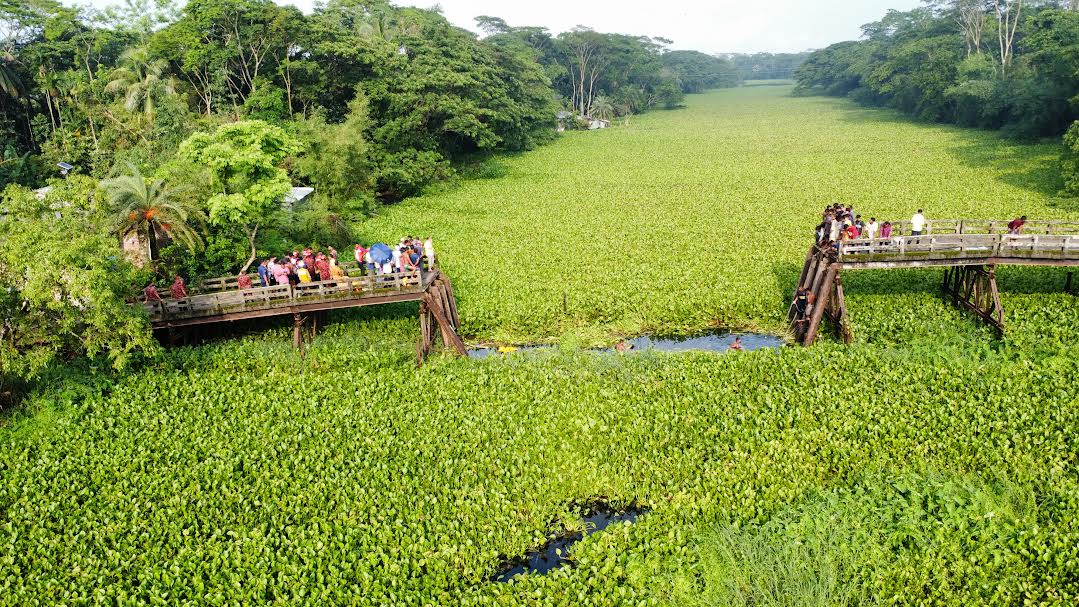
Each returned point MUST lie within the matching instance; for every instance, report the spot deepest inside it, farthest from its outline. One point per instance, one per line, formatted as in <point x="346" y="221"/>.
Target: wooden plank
<point x="819" y="306"/>
<point x="841" y="320"/>
<point x="449" y="336"/>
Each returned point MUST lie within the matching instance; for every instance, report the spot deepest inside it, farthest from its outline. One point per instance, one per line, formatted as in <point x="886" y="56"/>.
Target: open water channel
<point x="708" y="342"/>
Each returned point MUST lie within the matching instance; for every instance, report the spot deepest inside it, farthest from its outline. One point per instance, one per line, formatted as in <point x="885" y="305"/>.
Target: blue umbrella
<point x="381" y="253"/>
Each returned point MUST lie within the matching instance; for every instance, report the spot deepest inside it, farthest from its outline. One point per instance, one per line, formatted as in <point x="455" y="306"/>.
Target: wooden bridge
<point x="969" y="250"/>
<point x="304" y="302"/>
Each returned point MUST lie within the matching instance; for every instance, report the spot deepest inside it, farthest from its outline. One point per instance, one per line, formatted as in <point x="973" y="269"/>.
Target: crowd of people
<point x="839" y="223"/>
<point x="307" y="265"/>
<point x="300" y="267"/>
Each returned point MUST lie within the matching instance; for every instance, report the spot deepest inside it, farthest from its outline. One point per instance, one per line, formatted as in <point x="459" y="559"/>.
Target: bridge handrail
<point x="984" y="245"/>
<point x="256" y="298"/>
<point x="225" y="283"/>
<point x="989" y="226"/>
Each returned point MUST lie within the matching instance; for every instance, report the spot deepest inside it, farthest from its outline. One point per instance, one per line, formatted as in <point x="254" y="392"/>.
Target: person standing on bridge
<point x="280" y="272"/>
<point x="1015" y="226"/>
<point x="917" y="224"/>
<point x="322" y="267"/>
<point x="886" y="230"/>
<point x="872" y="228"/>
<point x="243" y="281"/>
<point x="264" y="273"/>
<point x="178" y="290"/>
<point x="151" y="294"/>
<point x="429" y="252"/>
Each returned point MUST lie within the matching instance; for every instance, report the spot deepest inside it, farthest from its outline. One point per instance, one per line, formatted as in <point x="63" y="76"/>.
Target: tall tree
<point x="245" y="160"/>
<point x="152" y="210"/>
<point x="141" y="80"/>
<point x="1008" y="14"/>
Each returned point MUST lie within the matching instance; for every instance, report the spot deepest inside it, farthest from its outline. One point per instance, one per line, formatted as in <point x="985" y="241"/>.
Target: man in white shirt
<point x="872" y="228"/>
<point x="397" y="259"/>
<point x="917" y="224"/>
<point x="429" y="252"/>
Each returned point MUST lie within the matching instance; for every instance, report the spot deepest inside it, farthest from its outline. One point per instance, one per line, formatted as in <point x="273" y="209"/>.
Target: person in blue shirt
<point x="264" y="274"/>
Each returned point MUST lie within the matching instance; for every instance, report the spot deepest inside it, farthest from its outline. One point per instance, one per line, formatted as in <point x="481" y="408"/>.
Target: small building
<point x="293" y="198"/>
<point x="597" y="123"/>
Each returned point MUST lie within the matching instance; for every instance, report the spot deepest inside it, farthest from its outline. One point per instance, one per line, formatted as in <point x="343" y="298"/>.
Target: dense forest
<point x="997" y="64"/>
<point x="181" y="130"/>
<point x="766" y="66"/>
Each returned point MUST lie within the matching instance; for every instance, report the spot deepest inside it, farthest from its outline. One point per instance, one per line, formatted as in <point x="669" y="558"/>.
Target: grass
<point x="903" y="468"/>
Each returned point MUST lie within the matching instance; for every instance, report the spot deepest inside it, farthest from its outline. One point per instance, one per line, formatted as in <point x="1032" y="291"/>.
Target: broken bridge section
<point x="968" y="250"/>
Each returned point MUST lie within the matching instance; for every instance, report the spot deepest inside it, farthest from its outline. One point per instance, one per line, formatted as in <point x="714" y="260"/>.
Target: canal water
<point x="709" y="342"/>
<point x="554" y="553"/>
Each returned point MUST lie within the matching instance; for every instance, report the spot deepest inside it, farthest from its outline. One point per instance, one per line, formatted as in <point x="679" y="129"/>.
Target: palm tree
<point x="148" y="207"/>
<point x="141" y="80"/>
<point x="602" y="108"/>
<point x="9" y="80"/>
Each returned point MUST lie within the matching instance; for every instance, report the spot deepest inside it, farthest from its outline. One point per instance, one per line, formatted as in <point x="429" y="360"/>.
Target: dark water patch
<point x="554" y="553"/>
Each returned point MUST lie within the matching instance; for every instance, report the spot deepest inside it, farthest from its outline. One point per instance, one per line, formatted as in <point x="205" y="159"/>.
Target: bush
<point x="1071" y="160"/>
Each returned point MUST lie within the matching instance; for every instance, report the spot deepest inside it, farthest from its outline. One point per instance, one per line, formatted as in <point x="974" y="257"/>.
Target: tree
<point x="1008" y="15"/>
<point x="68" y="297"/>
<point x="585" y="65"/>
<point x="602" y="108"/>
<point x="1071" y="160"/>
<point x="151" y="210"/>
<point x="971" y="16"/>
<point x="141" y="81"/>
<point x="244" y="159"/>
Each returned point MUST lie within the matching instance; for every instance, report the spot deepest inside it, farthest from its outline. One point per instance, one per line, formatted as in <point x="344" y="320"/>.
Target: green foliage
<point x="1071" y="160"/>
<point x="63" y="283"/>
<point x="406" y="486"/>
<point x="904" y="539"/>
<point x="337" y="159"/>
<point x="914" y="61"/>
<point x="697" y="72"/>
<point x="266" y="102"/>
<point x="152" y="210"/>
<point x="244" y="159"/>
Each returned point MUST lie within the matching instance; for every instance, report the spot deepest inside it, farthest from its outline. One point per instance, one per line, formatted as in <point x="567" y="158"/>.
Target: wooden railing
<point x="226" y="283"/>
<point x="987" y="226"/>
<point x="961" y="245"/>
<point x="257" y="298"/>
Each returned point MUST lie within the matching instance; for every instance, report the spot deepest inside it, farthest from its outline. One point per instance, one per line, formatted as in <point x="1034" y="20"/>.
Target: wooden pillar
<point x="808" y="274"/>
<point x="819" y="306"/>
<point x="841" y="320"/>
<point x="297" y="332"/>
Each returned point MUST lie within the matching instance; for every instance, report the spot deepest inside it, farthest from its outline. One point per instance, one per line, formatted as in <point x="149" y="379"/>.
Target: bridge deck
<point x="279" y="300"/>
<point x="958" y="249"/>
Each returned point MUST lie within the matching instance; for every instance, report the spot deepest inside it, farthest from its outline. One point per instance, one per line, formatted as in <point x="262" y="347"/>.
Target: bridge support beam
<point x="439" y="307"/>
<point x="974" y="288"/>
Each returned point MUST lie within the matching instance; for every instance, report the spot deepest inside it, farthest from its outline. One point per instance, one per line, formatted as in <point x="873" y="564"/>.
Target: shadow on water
<point x="554" y="554"/>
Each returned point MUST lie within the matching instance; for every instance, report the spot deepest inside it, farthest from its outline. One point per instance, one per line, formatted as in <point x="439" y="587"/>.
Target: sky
<point x="710" y="26"/>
